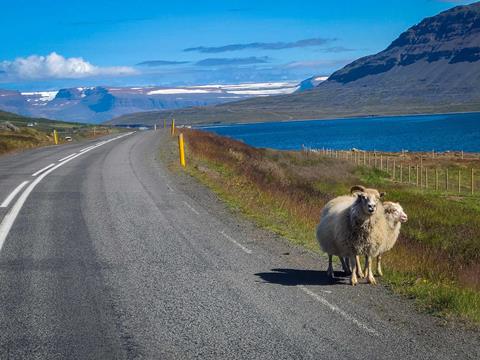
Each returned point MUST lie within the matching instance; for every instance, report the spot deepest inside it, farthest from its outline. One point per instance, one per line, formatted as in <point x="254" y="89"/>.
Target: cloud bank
<point x="55" y="66"/>
<point x="232" y="61"/>
<point x="263" y="46"/>
<point x="154" y="63"/>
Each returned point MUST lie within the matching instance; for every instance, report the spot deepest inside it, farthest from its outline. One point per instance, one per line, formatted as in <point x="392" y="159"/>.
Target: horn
<point x="357" y="188"/>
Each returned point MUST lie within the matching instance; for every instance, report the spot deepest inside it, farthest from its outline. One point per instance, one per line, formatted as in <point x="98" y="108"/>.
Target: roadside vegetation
<point x="436" y="260"/>
<point x="19" y="133"/>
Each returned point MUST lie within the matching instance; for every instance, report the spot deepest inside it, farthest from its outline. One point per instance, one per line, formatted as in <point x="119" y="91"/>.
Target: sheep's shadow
<point x="294" y="277"/>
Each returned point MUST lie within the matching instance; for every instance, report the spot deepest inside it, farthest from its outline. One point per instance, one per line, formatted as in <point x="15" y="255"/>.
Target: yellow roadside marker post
<point x="55" y="136"/>
<point x="173" y="127"/>
<point x="181" y="150"/>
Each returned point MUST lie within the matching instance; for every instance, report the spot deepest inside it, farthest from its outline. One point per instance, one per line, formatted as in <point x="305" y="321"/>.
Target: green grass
<point x="41" y="134"/>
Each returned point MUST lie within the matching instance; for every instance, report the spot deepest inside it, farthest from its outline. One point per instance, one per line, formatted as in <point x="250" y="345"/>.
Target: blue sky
<point x="54" y="43"/>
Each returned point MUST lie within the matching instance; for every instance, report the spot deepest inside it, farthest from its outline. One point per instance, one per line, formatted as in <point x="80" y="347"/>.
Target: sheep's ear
<point x="357" y="188"/>
<point x="383" y="194"/>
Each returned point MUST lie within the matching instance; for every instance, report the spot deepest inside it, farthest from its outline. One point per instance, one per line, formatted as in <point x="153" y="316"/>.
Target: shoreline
<point x="360" y="117"/>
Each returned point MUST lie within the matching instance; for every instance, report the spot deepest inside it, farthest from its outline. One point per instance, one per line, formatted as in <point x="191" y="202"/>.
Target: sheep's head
<point x="367" y="202"/>
<point x="395" y="212"/>
<point x="360" y="188"/>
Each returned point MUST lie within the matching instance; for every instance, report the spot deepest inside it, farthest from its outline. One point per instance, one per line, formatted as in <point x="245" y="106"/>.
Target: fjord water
<point x="396" y="133"/>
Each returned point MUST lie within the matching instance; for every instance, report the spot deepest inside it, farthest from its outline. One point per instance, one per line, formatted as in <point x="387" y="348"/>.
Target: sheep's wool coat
<point x="344" y="229"/>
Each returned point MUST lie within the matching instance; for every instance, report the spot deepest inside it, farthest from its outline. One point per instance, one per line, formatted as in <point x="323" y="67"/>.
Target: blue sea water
<point x="414" y="133"/>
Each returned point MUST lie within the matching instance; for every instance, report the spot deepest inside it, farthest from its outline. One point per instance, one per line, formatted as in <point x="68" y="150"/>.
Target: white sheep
<point x="395" y="216"/>
<point x="352" y="225"/>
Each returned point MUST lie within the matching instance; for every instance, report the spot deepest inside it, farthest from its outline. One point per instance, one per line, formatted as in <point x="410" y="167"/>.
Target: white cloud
<point x="57" y="67"/>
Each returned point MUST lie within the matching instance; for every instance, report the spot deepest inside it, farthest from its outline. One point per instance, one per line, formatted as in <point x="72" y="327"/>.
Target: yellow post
<point x="173" y="127"/>
<point x="164" y="124"/>
<point x="181" y="150"/>
<point x="55" y="136"/>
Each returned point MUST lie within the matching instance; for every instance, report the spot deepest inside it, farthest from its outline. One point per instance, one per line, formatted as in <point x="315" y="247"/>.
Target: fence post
<point x="472" y="181"/>
<point x="459" y="184"/>
<point x="401" y="173"/>
<point x="421" y="173"/>
<point x="446" y="180"/>
<point x="426" y="178"/>
<point x="393" y="173"/>
<point x="418" y="177"/>
<point x="436" y="179"/>
<point x="409" y="174"/>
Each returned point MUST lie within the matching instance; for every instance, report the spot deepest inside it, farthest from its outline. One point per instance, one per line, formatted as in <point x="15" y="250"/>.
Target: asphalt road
<point x="110" y="256"/>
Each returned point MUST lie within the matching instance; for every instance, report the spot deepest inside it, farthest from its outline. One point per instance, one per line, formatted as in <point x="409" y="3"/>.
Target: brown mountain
<point x="433" y="67"/>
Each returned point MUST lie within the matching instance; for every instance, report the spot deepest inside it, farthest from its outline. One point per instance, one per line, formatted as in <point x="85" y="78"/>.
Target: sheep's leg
<point x="366" y="267"/>
<point x="345" y="265"/>
<point x="379" y="265"/>
<point x="330" y="267"/>
<point x="353" y="278"/>
<point x="360" y="273"/>
<point x="370" y="278"/>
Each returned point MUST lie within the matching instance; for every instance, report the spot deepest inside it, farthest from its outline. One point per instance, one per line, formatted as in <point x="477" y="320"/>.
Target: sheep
<point x="395" y="216"/>
<point x="345" y="261"/>
<point x="352" y="225"/>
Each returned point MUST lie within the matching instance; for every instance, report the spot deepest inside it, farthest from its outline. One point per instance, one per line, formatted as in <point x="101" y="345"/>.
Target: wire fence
<point x="454" y="173"/>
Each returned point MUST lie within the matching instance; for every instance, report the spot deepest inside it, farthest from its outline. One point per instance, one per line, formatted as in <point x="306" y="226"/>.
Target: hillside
<point x="19" y="132"/>
<point x="433" y="67"/>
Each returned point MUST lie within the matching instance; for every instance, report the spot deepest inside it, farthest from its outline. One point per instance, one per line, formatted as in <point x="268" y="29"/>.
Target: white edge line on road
<point x="42" y="170"/>
<point x="339" y="311"/>
<point x="248" y="251"/>
<point x="10" y="217"/>
<point x="191" y="207"/>
<point x="12" y="195"/>
<point x="67" y="157"/>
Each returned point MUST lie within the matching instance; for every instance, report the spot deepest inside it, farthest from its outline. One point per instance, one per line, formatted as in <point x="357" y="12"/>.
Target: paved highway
<point x="106" y="255"/>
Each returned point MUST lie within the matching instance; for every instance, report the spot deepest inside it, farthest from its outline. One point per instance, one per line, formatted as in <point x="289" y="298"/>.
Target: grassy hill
<point x="35" y="132"/>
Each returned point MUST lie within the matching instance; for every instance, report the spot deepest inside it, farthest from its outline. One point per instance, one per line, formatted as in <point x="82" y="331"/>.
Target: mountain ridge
<point x="433" y="67"/>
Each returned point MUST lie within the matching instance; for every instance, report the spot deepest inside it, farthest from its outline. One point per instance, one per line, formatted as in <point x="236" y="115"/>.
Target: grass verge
<point x="436" y="260"/>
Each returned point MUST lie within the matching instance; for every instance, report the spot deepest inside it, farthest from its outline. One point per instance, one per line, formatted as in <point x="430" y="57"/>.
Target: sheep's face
<point x="395" y="211"/>
<point x="368" y="202"/>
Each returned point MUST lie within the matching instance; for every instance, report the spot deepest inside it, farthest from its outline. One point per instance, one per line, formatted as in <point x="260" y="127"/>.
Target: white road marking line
<point x="339" y="311"/>
<point x="248" y="251"/>
<point x="191" y="208"/>
<point x="12" y="195"/>
<point x="42" y="170"/>
<point x="87" y="148"/>
<point x="67" y="157"/>
<point x="10" y="217"/>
